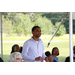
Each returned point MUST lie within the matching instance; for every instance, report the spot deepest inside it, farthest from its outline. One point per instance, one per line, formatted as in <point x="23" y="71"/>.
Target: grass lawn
<point x="61" y="42"/>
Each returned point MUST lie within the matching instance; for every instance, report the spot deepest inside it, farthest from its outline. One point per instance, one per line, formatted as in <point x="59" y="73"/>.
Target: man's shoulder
<point x="28" y="41"/>
<point x="31" y="40"/>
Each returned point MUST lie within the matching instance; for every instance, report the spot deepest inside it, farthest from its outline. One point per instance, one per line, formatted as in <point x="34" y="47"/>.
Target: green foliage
<point x="6" y="25"/>
<point x="59" y="15"/>
<point x="22" y="23"/>
<point x="45" y="25"/>
<point x="61" y="30"/>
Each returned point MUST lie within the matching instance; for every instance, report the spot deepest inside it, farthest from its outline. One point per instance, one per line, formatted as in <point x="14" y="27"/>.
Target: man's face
<point x="37" y="32"/>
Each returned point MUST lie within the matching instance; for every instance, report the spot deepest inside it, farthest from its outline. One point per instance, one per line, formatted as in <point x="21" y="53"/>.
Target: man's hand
<point x="39" y="58"/>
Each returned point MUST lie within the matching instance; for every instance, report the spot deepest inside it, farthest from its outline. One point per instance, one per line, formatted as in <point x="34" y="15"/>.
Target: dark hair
<point x="14" y="47"/>
<point x="73" y="57"/>
<point x="47" y="53"/>
<point x="21" y="49"/>
<point x="35" y="28"/>
<point x="53" y="51"/>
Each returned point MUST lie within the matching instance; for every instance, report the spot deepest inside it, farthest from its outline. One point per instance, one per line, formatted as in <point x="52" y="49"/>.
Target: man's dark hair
<point x="35" y="28"/>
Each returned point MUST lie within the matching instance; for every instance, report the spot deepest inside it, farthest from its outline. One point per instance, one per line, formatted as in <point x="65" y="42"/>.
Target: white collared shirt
<point x="32" y="49"/>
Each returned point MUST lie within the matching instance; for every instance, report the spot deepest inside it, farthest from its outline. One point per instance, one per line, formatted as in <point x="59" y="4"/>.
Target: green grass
<point x="61" y="42"/>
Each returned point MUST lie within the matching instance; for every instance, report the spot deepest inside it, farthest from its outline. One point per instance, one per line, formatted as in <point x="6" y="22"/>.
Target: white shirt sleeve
<point x="43" y="56"/>
<point x="25" y="53"/>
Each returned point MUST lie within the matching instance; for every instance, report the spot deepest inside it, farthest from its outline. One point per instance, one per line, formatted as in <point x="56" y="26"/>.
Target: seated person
<point x="73" y="59"/>
<point x="21" y="49"/>
<point x="68" y="59"/>
<point x="49" y="56"/>
<point x="55" y="53"/>
<point x="15" y="57"/>
<point x="15" y="48"/>
<point x="1" y="60"/>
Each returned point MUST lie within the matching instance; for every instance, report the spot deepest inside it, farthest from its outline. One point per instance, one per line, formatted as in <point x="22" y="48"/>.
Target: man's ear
<point x="32" y="32"/>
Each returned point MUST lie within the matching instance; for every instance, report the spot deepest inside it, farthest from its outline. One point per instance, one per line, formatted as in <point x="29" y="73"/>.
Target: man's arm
<point x="43" y="56"/>
<point x="25" y="53"/>
<point x="39" y="58"/>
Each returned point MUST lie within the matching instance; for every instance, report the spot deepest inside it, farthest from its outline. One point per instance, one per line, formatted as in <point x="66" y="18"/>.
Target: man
<point x="68" y="58"/>
<point x="33" y="49"/>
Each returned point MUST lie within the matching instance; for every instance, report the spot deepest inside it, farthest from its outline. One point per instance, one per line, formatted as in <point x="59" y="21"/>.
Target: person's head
<point x="21" y="49"/>
<point x="55" y="51"/>
<point x="15" y="57"/>
<point x="15" y="48"/>
<point x="36" y="31"/>
<point x="49" y="56"/>
<point x="47" y="53"/>
<point x="74" y="49"/>
<point x="73" y="59"/>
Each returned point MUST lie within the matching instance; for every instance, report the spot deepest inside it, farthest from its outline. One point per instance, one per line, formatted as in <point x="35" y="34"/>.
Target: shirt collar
<point x="34" y="40"/>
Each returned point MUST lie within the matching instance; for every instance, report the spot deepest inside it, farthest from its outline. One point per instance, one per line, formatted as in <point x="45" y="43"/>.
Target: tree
<point x="24" y="22"/>
<point x="58" y="15"/>
<point x="6" y="25"/>
<point x="61" y="30"/>
<point x="45" y="24"/>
